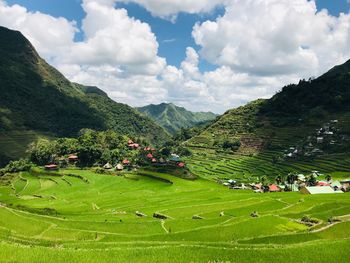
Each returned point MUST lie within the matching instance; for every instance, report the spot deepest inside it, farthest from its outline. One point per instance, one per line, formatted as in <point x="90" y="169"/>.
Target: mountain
<point x="291" y="117"/>
<point x="36" y="97"/>
<point x="172" y="118"/>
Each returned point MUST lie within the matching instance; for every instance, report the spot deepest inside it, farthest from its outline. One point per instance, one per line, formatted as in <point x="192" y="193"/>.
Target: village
<point x="324" y="139"/>
<point x="148" y="156"/>
<point x="294" y="183"/>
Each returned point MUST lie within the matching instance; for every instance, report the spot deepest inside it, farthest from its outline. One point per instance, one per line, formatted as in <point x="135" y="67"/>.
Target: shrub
<point x="18" y="166"/>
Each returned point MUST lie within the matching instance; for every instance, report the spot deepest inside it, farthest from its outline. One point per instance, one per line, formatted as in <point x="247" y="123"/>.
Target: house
<point x="319" y="139"/>
<point x="301" y="178"/>
<point x="51" y="167"/>
<point x="323" y="183"/>
<point x="130" y="141"/>
<point x="119" y="167"/>
<point x="154" y="160"/>
<point x="181" y="165"/>
<point x="134" y="146"/>
<point x="345" y="184"/>
<point x="146" y="149"/>
<point x="161" y="160"/>
<point x="175" y="158"/>
<point x="274" y="188"/>
<point x="149" y="156"/>
<point x="73" y="158"/>
<point x="107" y="166"/>
<point x="318" y="190"/>
<point x="126" y="162"/>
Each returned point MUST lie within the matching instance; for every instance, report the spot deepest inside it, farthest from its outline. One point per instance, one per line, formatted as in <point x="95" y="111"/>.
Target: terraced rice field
<point x="211" y="165"/>
<point x="67" y="219"/>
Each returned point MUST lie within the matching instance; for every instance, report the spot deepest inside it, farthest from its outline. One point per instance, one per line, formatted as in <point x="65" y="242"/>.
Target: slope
<point x="36" y="97"/>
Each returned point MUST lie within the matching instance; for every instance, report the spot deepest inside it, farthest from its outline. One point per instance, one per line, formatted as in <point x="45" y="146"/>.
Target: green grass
<point x="46" y="219"/>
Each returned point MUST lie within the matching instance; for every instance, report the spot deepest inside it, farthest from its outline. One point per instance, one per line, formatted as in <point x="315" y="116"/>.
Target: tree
<point x="42" y="152"/>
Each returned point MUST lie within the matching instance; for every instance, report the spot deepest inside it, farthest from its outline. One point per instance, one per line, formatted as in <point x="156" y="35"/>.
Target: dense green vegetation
<point x="172" y="118"/>
<point x="35" y="96"/>
<point x="61" y="217"/>
<point x="288" y="118"/>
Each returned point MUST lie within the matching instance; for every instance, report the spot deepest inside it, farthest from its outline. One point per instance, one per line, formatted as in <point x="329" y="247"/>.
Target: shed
<point x="108" y="166"/>
<point x="73" y="158"/>
<point x="317" y="190"/>
<point x="126" y="162"/>
<point x="119" y="167"/>
<point x="319" y="139"/>
<point x="274" y="188"/>
<point x="181" y="165"/>
<point x="51" y="167"/>
<point x="323" y="183"/>
<point x="345" y="183"/>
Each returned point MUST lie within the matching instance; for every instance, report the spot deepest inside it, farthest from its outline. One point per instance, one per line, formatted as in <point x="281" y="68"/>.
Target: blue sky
<point x="173" y="37"/>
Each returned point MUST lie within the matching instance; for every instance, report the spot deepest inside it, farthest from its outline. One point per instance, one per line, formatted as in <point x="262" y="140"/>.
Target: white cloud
<point x="258" y="46"/>
<point x="51" y="36"/>
<point x="270" y="37"/>
<point x="170" y="8"/>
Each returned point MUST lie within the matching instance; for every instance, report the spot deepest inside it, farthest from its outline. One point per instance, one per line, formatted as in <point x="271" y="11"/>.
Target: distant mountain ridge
<point x="172" y="118"/>
<point x="37" y="97"/>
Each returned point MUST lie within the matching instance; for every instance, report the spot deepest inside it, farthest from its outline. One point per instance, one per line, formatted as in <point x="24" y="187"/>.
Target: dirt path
<point x="162" y="223"/>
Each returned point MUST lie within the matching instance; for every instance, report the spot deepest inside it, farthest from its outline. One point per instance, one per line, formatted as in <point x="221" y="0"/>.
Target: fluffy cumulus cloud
<point x="51" y="36"/>
<point x="170" y="8"/>
<point x="275" y="37"/>
<point x="257" y="45"/>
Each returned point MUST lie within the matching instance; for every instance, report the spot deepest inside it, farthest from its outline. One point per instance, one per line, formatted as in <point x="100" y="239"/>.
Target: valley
<point x="86" y="179"/>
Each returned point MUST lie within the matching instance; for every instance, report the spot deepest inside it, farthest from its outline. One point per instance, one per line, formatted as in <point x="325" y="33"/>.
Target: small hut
<point x="73" y="158"/>
<point x="107" y="166"/>
<point x="119" y="167"/>
<point x="181" y="164"/>
<point x="274" y="188"/>
<point x="126" y="162"/>
<point x="51" y="167"/>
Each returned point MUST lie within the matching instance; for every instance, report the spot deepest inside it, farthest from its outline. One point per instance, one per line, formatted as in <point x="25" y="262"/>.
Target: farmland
<point x="80" y="216"/>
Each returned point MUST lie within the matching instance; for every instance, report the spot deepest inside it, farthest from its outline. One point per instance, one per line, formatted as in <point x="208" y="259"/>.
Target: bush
<point x="18" y="166"/>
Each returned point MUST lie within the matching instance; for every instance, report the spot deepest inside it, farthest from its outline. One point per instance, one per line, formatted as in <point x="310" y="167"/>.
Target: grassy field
<point x="64" y="218"/>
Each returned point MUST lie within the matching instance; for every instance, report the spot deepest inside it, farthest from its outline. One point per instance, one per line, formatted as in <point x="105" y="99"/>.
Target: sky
<point x="208" y="55"/>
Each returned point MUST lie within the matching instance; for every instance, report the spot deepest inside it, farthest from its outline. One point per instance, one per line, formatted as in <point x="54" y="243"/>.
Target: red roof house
<point x="274" y="188"/>
<point x="154" y="160"/>
<point x="134" y="145"/>
<point x="150" y="156"/>
<point x="126" y="162"/>
<point x="181" y="165"/>
<point x="51" y="167"/>
<point x="321" y="183"/>
<point x="73" y="158"/>
<point x="147" y="149"/>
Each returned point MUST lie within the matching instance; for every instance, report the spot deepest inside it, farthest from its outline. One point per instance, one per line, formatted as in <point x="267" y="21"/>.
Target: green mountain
<point x="39" y="100"/>
<point x="290" y="118"/>
<point x="172" y="118"/>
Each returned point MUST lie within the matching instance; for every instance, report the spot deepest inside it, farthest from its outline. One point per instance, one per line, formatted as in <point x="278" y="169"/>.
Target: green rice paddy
<point x="64" y="218"/>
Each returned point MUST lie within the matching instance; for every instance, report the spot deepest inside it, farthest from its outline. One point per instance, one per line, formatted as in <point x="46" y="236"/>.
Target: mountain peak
<point x="172" y="117"/>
